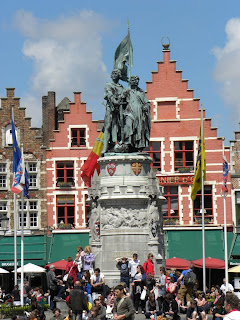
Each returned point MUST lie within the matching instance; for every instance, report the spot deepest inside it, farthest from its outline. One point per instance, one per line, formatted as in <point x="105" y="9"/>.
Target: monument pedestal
<point x="125" y="217"/>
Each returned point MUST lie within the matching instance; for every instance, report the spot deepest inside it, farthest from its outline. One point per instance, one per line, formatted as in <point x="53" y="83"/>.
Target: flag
<point x="16" y="150"/>
<point x="225" y="175"/>
<point x="17" y="186"/>
<point x="25" y="179"/>
<point x="124" y="53"/>
<point x="200" y="166"/>
<point x="91" y="164"/>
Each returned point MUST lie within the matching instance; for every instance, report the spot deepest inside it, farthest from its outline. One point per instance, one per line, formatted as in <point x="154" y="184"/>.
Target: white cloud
<point x="66" y="55"/>
<point x="227" y="70"/>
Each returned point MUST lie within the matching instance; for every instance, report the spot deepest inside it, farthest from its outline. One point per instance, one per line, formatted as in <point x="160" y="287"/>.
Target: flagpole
<point x="203" y="222"/>
<point x="224" y="194"/>
<point x="15" y="223"/>
<point x="129" y="66"/>
<point x="22" y="240"/>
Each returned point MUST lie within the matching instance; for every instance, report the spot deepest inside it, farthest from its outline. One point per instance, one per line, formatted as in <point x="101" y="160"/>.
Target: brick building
<point x="174" y="144"/>
<point x="35" y="208"/>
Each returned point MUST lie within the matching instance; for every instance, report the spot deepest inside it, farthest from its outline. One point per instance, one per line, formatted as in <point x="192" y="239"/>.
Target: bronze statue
<point x="112" y="122"/>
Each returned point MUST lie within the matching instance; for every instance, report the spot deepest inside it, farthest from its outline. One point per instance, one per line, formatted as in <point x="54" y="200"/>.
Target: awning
<point x="64" y="245"/>
<point x="35" y="250"/>
<point x="210" y="263"/>
<point x="177" y="263"/>
<point x="31" y="268"/>
<point x="234" y="269"/>
<point x="3" y="271"/>
<point x="60" y="265"/>
<point x="187" y="244"/>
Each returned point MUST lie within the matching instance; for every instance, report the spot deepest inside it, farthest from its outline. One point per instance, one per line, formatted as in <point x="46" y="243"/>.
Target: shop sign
<point x="8" y="264"/>
<point x="176" y="179"/>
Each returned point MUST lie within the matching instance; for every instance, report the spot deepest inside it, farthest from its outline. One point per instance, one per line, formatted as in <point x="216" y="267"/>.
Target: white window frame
<point x="3" y="210"/>
<point x="32" y="173"/>
<point x="3" y="174"/>
<point x="27" y="211"/>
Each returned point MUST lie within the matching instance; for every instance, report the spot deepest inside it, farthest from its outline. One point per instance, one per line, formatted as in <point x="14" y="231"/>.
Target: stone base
<point x="126" y="201"/>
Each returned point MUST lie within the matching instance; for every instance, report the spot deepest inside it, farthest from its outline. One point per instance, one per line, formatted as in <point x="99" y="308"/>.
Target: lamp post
<point x="4" y="221"/>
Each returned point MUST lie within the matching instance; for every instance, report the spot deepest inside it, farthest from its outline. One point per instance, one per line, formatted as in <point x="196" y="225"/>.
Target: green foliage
<point x="9" y="311"/>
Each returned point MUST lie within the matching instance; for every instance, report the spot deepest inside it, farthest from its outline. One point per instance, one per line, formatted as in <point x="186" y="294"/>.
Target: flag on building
<point x="25" y="179"/>
<point x="16" y="150"/>
<point x="225" y="175"/>
<point x="124" y="54"/>
<point x="90" y="165"/>
<point x="17" y="186"/>
<point x="200" y="166"/>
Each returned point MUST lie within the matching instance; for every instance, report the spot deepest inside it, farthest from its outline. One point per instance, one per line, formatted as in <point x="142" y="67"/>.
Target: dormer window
<point x="8" y="135"/>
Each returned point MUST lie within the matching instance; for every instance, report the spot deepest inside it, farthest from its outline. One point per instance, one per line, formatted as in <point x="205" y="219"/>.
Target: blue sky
<point x="68" y="46"/>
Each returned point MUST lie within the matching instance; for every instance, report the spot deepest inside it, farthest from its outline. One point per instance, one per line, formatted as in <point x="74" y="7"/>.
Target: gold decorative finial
<point x="165" y="44"/>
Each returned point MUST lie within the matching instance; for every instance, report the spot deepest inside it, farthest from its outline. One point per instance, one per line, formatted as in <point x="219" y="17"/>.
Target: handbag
<point x="143" y="294"/>
<point x="65" y="277"/>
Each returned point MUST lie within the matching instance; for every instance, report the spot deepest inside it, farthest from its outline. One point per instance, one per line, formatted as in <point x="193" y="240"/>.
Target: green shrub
<point x="9" y="312"/>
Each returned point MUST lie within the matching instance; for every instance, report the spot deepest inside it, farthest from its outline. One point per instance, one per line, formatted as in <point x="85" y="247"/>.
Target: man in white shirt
<point x="133" y="265"/>
<point x="225" y="288"/>
<point x="98" y="282"/>
<point x="232" y="307"/>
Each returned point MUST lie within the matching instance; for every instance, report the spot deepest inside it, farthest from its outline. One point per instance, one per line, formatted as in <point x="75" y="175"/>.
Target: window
<point x="237" y="201"/>
<point x="65" y="174"/>
<point x="30" y="214"/>
<point x="3" y="210"/>
<point x="3" y="175"/>
<point x="78" y="137"/>
<point x="32" y="172"/>
<point x="208" y="211"/>
<point x="183" y="152"/>
<point x="154" y="150"/>
<point x="65" y="209"/>
<point x="170" y="205"/>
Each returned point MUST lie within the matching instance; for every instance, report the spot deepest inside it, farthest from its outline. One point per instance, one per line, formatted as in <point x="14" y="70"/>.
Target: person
<point x="152" y="307"/>
<point x="71" y="269"/>
<point x="112" y="94"/>
<point x="218" y="311"/>
<point x="219" y="297"/>
<point x="79" y="263"/>
<point x="232" y="307"/>
<point x="133" y="265"/>
<point x="171" y="286"/>
<point x="123" y="266"/>
<point x="88" y="258"/>
<point x="77" y="301"/>
<point x="123" y="306"/>
<point x="148" y="264"/>
<point x="150" y="283"/>
<point x="161" y="286"/>
<point x="69" y="316"/>
<point x="98" y="283"/>
<point x="87" y="276"/>
<point x="193" y="311"/>
<point x="26" y="293"/>
<point x="186" y="290"/>
<point x="202" y="303"/>
<point x="38" y="308"/>
<point x="86" y="289"/>
<point x="93" y="313"/>
<point x="101" y="315"/>
<point x="52" y="282"/>
<point x="16" y="295"/>
<point x="57" y="314"/>
<point x="111" y="297"/>
<point x="226" y="288"/>
<point x="138" y="285"/>
<point x="170" y="307"/>
<point x="137" y="117"/>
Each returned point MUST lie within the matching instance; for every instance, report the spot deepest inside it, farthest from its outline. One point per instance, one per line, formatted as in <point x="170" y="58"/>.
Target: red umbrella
<point x="211" y="263"/>
<point x="177" y="263"/>
<point x="60" y="265"/>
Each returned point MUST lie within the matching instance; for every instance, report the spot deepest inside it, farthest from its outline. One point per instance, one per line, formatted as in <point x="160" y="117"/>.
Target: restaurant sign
<point x="183" y="179"/>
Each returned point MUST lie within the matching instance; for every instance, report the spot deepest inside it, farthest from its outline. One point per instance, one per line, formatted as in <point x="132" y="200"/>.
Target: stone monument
<point x="125" y="198"/>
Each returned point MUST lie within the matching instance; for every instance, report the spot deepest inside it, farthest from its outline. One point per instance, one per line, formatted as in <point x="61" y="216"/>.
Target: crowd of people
<point x="140" y="291"/>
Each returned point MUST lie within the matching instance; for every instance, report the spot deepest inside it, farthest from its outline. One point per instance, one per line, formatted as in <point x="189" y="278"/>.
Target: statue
<point x="153" y="220"/>
<point x="112" y="122"/>
<point x="94" y="222"/>
<point x="137" y="117"/>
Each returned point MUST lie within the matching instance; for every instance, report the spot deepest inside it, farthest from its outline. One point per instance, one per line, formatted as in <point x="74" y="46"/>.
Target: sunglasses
<point x="168" y="278"/>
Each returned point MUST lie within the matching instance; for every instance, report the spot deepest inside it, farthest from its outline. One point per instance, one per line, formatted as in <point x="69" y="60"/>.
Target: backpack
<point x="190" y="279"/>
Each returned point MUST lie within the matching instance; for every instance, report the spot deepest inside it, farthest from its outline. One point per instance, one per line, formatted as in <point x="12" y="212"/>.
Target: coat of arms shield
<point x="136" y="168"/>
<point x="111" y="168"/>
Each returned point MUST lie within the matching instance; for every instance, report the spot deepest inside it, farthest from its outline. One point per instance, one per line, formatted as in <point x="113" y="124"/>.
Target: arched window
<point x="8" y="135"/>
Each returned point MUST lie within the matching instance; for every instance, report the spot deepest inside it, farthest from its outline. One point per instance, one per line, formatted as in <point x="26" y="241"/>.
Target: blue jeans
<point x="76" y="314"/>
